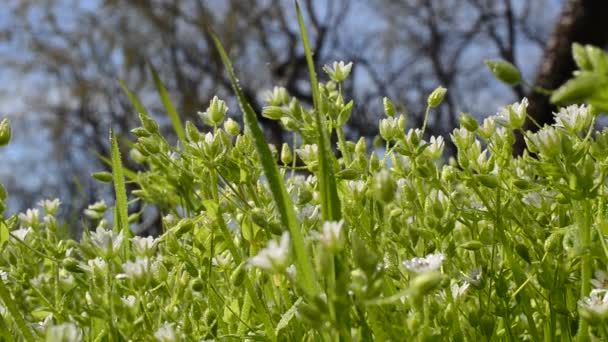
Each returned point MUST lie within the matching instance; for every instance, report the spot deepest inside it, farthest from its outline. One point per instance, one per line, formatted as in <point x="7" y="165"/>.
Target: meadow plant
<point x="344" y="246"/>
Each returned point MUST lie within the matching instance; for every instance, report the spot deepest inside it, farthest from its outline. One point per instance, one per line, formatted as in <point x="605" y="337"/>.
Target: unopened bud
<point x="436" y="97"/>
<point x="286" y="155"/>
<point x="504" y="71"/>
<point x="5" y="132"/>
<point x="389" y="107"/>
<point x="232" y="127"/>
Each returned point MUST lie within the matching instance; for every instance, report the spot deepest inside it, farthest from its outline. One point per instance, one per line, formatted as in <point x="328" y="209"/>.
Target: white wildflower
<point x="4" y="276"/>
<point x="137" y="269"/>
<point x="514" y="115"/>
<point x="601" y="280"/>
<point x="94" y="265"/>
<point x="331" y="236"/>
<point x="458" y="291"/>
<point x="106" y="240"/>
<point x="308" y="153"/>
<point x="435" y="148"/>
<point x="21" y="233"/>
<point x="143" y="245"/>
<point x="430" y="263"/>
<point x="222" y="260"/>
<point x="274" y="257"/>
<point x="573" y="118"/>
<point x="166" y="333"/>
<point x="29" y="218"/>
<point x="487" y="128"/>
<point x="128" y="301"/>
<point x="64" y="332"/>
<point x="50" y="206"/>
<point x="339" y="71"/>
<point x="596" y="304"/>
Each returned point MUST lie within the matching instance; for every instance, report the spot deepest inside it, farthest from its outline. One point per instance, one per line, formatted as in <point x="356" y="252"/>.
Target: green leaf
<point x="330" y="202"/>
<point x="139" y="107"/>
<point x="577" y="89"/>
<point x="164" y="96"/>
<point x="121" y="213"/>
<point x="287" y="316"/>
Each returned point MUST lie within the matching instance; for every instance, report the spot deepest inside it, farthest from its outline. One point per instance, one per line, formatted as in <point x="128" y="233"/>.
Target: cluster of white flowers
<point x="29" y="218"/>
<point x="106" y="241"/>
<point x="430" y="263"/>
<point x="573" y="119"/>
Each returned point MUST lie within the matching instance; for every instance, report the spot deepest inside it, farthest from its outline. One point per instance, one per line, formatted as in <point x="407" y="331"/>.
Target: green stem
<point x="584" y="226"/>
<point x="426" y="119"/>
<point x="342" y="144"/>
<point x="12" y="309"/>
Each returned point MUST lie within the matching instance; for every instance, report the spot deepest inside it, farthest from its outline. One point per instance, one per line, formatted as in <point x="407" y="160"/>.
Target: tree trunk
<point x="581" y="21"/>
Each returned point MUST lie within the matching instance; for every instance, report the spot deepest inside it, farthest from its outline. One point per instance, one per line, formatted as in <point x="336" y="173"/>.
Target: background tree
<point x="65" y="58"/>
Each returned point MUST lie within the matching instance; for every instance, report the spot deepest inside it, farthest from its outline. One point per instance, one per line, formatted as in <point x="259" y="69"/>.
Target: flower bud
<point x="103" y="176"/>
<point x="5" y="132"/>
<point x="232" y="127"/>
<point x="468" y="121"/>
<point x="274" y="112"/>
<point x="436" y="97"/>
<point x="389" y="107"/>
<point x="192" y="133"/>
<point x="286" y="155"/>
<point x="426" y="282"/>
<point x="504" y="71"/>
<point x="149" y="124"/>
<point x="384" y="186"/>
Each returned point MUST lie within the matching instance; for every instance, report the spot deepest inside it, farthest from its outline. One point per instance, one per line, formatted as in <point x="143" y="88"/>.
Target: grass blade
<point x="121" y="212"/>
<point x="139" y="107"/>
<point x="169" y="107"/>
<point x="330" y="202"/>
<point x="26" y="333"/>
<point x="277" y="186"/>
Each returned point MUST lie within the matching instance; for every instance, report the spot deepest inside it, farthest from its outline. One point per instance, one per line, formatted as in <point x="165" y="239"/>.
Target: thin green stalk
<point x="584" y="226"/>
<point x="426" y="119"/>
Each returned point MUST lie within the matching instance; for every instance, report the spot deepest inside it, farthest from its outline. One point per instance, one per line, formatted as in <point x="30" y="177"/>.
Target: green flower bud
<point x="5" y="132"/>
<point x="471" y="245"/>
<point x="140" y="132"/>
<point x="490" y="181"/>
<point x="103" y="176"/>
<point x="361" y="146"/>
<point x="384" y="186"/>
<point x="232" y="127"/>
<point x="374" y="162"/>
<point x="3" y="193"/>
<point x="149" y="124"/>
<point x="286" y="155"/>
<point x="197" y="285"/>
<point x="436" y="97"/>
<point x="217" y="110"/>
<point x="238" y="275"/>
<point x="137" y="156"/>
<point x="71" y="265"/>
<point x="389" y="107"/>
<point x="468" y="121"/>
<point x="274" y="112"/>
<point x="425" y="283"/>
<point x="150" y="144"/>
<point x="192" y="133"/>
<point x="504" y="71"/>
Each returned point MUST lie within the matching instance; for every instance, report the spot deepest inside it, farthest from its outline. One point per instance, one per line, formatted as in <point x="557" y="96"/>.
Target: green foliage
<point x="590" y="82"/>
<point x="360" y="247"/>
